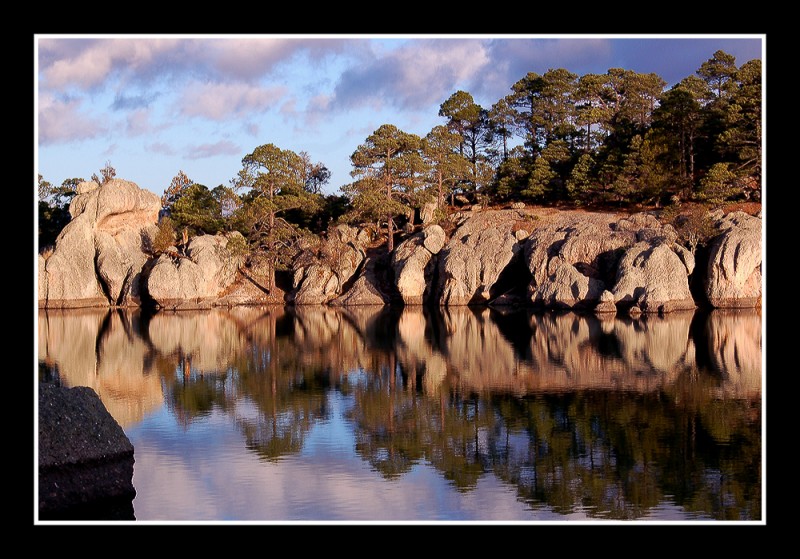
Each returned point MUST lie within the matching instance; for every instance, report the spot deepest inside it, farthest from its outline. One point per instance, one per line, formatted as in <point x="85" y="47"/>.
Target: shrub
<point x="165" y="236"/>
<point x="719" y="184"/>
<point x="693" y="224"/>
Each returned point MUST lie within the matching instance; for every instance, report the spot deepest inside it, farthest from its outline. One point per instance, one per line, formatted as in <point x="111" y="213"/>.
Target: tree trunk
<point x="390" y="229"/>
<point x="389" y="222"/>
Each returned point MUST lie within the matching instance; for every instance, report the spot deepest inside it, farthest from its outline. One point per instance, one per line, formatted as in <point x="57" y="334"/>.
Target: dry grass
<point x="751" y="208"/>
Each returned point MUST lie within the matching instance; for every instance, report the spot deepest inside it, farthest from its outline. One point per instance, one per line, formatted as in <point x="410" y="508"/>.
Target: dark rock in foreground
<point x="85" y="458"/>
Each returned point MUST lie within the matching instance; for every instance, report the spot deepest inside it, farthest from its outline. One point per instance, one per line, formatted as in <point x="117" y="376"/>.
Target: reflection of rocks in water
<point x="473" y="349"/>
<point x="566" y="351"/>
<point x="103" y="350"/>
<point x="68" y="339"/>
<point x="476" y="349"/>
<point x="415" y="352"/>
<point x="734" y="338"/>
<point x="570" y="351"/>
<point x="127" y="386"/>
<point x="656" y="344"/>
<point x="207" y="340"/>
<point x="337" y="340"/>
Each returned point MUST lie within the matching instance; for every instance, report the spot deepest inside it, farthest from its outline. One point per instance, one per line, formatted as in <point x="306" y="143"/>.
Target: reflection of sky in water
<point x="184" y="475"/>
<point x="192" y="460"/>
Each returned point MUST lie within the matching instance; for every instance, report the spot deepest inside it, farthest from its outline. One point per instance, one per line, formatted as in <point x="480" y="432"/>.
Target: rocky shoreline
<point x="530" y="257"/>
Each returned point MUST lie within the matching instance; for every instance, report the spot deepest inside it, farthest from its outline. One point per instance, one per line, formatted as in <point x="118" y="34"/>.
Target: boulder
<point x="571" y="258"/>
<point x="566" y="287"/>
<point x="411" y="263"/>
<point x="99" y="255"/>
<point x="654" y="278"/>
<point x="197" y="279"/>
<point x="364" y="290"/>
<point x="427" y="213"/>
<point x="321" y="274"/>
<point x="85" y="459"/>
<point x="576" y="257"/>
<point x="606" y="303"/>
<point x="471" y="262"/>
<point x="734" y="265"/>
<point x="646" y="227"/>
<point x="42" y="278"/>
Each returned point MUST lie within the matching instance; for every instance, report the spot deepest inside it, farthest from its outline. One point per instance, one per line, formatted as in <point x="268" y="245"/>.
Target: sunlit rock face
<point x="652" y="276"/>
<point x="199" y="279"/>
<point x="104" y="351"/>
<point x="320" y="274"/>
<point x="411" y="263"/>
<point x="569" y="256"/>
<point x="365" y="290"/>
<point x="734" y="266"/>
<point x="98" y="257"/>
<point x="476" y="254"/>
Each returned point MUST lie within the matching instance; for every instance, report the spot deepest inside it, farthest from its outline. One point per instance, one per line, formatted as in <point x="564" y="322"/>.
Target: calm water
<point x="372" y="414"/>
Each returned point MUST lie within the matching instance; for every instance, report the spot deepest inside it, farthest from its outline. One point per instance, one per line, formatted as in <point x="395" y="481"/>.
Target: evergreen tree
<point x="198" y="211"/>
<point x="386" y="168"/>
<point x="446" y="166"/>
<point x="719" y="72"/>
<point x="471" y="122"/>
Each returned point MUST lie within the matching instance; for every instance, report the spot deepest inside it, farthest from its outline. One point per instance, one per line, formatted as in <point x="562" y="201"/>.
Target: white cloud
<point x="63" y="121"/>
<point x="218" y="101"/>
<point x="254" y="57"/>
<point x="87" y="63"/>
<point x="138" y="122"/>
<point x="92" y="62"/>
<point x="415" y="75"/>
<point x="202" y="151"/>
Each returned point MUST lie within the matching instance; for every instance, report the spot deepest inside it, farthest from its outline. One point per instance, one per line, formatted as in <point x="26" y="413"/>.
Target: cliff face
<point x="98" y="257"/>
<point x="536" y="257"/>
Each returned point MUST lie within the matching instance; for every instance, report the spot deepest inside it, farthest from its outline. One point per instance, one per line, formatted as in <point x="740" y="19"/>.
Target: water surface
<point x="376" y="414"/>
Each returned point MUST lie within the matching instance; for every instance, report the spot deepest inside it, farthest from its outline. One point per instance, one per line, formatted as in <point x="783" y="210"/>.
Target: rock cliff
<point x="538" y="257"/>
<point x="99" y="256"/>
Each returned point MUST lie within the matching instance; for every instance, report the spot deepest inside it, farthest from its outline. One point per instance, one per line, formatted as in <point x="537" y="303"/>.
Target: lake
<point x="372" y="414"/>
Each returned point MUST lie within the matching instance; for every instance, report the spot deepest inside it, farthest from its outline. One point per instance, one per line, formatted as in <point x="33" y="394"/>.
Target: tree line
<point x="616" y="139"/>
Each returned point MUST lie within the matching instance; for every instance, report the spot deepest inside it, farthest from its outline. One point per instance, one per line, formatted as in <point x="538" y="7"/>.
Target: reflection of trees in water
<point x="620" y="454"/>
<point x="196" y="397"/>
<point x="608" y="418"/>
<point x="606" y="454"/>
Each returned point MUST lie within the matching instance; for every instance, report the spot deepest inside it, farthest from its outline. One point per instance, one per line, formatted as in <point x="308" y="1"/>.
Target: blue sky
<point x="152" y="105"/>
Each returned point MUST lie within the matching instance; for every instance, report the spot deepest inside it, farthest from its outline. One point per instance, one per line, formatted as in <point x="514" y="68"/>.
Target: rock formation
<point x="570" y="260"/>
<point x="365" y="289"/>
<point x="654" y="278"/>
<point x="98" y="257"/>
<point x="200" y="278"/>
<point x="320" y="275"/>
<point x="734" y="264"/>
<point x="475" y="256"/>
<point x="85" y="458"/>
<point x="411" y="261"/>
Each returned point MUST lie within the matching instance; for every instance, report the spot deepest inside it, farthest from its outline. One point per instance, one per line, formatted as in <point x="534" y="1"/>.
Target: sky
<point x="153" y="105"/>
